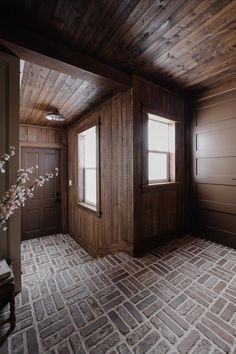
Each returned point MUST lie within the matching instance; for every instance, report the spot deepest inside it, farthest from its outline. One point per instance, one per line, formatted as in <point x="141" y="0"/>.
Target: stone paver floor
<point x="178" y="298"/>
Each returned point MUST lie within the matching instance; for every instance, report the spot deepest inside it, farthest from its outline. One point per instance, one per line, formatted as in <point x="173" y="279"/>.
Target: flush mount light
<point x="55" y="115"/>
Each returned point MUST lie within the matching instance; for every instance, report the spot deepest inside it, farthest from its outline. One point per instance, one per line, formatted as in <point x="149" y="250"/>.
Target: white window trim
<point x="154" y="181"/>
<point x="86" y="201"/>
<point x="156" y="117"/>
<point x="81" y="200"/>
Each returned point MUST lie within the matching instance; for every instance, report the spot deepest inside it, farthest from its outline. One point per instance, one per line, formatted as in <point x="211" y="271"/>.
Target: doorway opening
<point x="41" y="215"/>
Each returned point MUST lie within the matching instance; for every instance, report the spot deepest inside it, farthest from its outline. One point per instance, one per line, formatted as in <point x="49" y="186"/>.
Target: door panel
<point x="33" y="220"/>
<point x="41" y="214"/>
<point x="217" y="166"/>
<point x="214" y="169"/>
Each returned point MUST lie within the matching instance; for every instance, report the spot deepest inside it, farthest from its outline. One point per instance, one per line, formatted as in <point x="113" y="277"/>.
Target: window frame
<point x="170" y="120"/>
<point x="86" y="201"/>
<point x="167" y="153"/>
<point x="80" y="171"/>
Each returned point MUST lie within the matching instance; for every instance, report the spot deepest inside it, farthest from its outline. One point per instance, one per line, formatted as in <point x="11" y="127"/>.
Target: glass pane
<point x="157" y="166"/>
<point x="90" y="186"/>
<point x="158" y="136"/>
<point x="90" y="148"/>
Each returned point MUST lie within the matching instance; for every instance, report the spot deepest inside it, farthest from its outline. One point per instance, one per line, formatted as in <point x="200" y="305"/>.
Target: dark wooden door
<point x="214" y="169"/>
<point x="41" y="214"/>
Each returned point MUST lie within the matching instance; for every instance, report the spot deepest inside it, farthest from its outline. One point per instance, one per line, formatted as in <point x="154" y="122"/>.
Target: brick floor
<point x="179" y="298"/>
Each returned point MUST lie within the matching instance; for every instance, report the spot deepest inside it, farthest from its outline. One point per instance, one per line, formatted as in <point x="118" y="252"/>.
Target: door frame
<point x="62" y="174"/>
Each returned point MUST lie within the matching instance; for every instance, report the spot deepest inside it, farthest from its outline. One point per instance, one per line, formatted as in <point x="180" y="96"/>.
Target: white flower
<point x="16" y="196"/>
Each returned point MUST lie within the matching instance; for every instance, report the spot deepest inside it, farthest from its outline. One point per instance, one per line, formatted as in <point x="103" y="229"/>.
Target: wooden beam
<point x="45" y="52"/>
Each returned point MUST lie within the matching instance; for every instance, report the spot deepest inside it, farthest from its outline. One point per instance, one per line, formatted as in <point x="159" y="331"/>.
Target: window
<point x="87" y="167"/>
<point x="160" y="149"/>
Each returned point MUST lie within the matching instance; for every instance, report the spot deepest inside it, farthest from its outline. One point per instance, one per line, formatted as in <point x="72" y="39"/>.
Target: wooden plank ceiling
<point x="43" y="90"/>
<point x="186" y="45"/>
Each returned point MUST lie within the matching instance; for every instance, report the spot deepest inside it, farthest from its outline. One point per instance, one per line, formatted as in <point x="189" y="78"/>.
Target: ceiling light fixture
<point x="55" y="115"/>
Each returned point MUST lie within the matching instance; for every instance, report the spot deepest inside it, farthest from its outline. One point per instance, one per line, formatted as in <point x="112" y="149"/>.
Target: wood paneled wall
<point x="9" y="136"/>
<point x="159" y="212"/>
<point x="56" y="138"/>
<point x="33" y="135"/>
<point x="113" y="231"/>
<point x="214" y="167"/>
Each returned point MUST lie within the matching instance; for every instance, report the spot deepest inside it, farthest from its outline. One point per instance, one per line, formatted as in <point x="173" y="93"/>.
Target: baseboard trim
<point x="222" y="237"/>
<point x="147" y="244"/>
<point x="121" y="246"/>
<point x="92" y="251"/>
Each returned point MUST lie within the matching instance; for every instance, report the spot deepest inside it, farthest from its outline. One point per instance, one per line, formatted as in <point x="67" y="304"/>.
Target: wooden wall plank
<point x="9" y="136"/>
<point x="42" y="136"/>
<point x="157" y="211"/>
<point x="114" y="230"/>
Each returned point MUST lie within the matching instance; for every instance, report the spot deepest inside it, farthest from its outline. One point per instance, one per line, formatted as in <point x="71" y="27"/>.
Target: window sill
<point x="160" y="186"/>
<point x="89" y="208"/>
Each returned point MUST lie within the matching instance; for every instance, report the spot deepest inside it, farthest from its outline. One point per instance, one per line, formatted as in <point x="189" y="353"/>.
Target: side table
<point x="7" y="295"/>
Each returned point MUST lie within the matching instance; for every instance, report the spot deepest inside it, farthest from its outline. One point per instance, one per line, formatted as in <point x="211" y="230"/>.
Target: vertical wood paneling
<point x="9" y="136"/>
<point x="42" y="136"/>
<point x="114" y="229"/>
<point x="158" y="211"/>
<point x="129" y="212"/>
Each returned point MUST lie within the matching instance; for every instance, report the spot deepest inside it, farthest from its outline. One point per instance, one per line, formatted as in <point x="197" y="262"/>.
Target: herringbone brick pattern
<point x="179" y="298"/>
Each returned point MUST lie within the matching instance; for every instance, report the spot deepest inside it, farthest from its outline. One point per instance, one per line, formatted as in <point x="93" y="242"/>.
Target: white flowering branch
<point x="5" y="158"/>
<point x="16" y="196"/>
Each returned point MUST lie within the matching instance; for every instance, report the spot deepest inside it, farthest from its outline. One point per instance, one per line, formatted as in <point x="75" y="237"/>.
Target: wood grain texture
<point x="214" y="165"/>
<point x="113" y="231"/>
<point x="185" y="44"/>
<point x="41" y="215"/>
<point x="55" y="138"/>
<point x="220" y="87"/>
<point x="47" y="53"/>
<point x="31" y="135"/>
<point x="9" y="136"/>
<point x="158" y="211"/>
<point x="43" y="90"/>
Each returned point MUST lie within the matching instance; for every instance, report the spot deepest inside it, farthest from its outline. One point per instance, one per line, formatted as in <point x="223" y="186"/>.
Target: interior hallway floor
<point x="178" y="298"/>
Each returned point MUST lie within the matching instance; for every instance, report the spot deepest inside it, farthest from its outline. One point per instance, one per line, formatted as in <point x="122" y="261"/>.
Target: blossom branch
<point x="16" y="196"/>
<point x="5" y="158"/>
